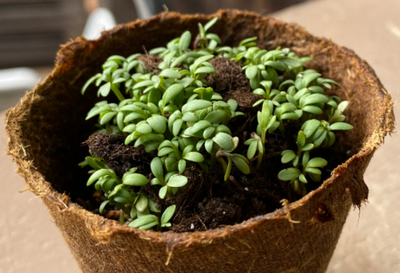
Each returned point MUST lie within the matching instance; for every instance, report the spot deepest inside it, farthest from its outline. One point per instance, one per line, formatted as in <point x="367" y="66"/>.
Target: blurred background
<point x="31" y="32"/>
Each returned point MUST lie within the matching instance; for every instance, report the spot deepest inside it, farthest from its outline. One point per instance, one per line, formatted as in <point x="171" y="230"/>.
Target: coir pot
<point x="47" y="128"/>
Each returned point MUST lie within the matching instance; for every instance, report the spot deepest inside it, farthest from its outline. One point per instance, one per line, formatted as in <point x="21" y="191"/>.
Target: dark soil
<point x="231" y="82"/>
<point x="208" y="202"/>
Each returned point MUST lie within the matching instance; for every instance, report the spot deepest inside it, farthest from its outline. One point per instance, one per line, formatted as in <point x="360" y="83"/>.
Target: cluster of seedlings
<point x="173" y="114"/>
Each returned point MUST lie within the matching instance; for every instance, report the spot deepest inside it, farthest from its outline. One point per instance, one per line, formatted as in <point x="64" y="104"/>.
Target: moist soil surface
<point x="208" y="202"/>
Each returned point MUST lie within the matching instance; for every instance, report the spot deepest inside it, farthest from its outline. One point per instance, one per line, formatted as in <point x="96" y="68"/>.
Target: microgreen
<point x="182" y="122"/>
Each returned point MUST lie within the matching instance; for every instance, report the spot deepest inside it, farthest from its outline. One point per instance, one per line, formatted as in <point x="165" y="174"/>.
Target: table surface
<point x="370" y="242"/>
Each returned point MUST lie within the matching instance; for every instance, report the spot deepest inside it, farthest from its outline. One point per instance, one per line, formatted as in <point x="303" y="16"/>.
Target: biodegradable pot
<point x="47" y="128"/>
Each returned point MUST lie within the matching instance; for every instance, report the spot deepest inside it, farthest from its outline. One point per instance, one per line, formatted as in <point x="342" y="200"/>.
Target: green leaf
<point x="288" y="156"/>
<point x="204" y="70"/>
<point x="200" y="125"/>
<point x="309" y="77"/>
<point x="94" y="162"/>
<point x="228" y="169"/>
<point x="317" y="162"/>
<point x="247" y="40"/>
<point x="343" y="105"/>
<point x="177" y="61"/>
<point x="310" y="127"/>
<point x="195" y="105"/>
<point x="145" y="222"/>
<point x="307" y="147"/>
<point x="97" y="110"/>
<point x="189" y="116"/>
<point x="177" y="126"/>
<point x="201" y="60"/>
<point x="187" y="149"/>
<point x="251" y="71"/>
<point x="313" y="170"/>
<point x="210" y="23"/>
<point x="163" y="192"/>
<point x="143" y="84"/>
<point x="241" y="163"/>
<point x="107" y="117"/>
<point x="194" y="156"/>
<point x="252" y="149"/>
<point x="208" y="132"/>
<point x="301" y="139"/>
<point x="209" y="145"/>
<point x="142" y="203"/>
<point x="157" y="123"/>
<point x="97" y="174"/>
<point x="135" y="179"/>
<point x="224" y="141"/>
<point x="170" y="73"/>
<point x="303" y="179"/>
<point x="182" y="165"/>
<point x="108" y="184"/>
<point x="167" y="214"/>
<point x="312" y="109"/>
<point x="133" y="213"/>
<point x="172" y="92"/>
<point x="340" y="126"/>
<point x="184" y="40"/>
<point x="156" y="167"/>
<point x="165" y="151"/>
<point x="89" y="82"/>
<point x="289" y="174"/>
<point x="143" y="128"/>
<point x="306" y="158"/>
<point x="129" y="128"/>
<point x="104" y="90"/>
<point x="177" y="181"/>
<point x="214" y="37"/>
<point x="316" y="98"/>
<point x="103" y="205"/>
<point x="133" y="116"/>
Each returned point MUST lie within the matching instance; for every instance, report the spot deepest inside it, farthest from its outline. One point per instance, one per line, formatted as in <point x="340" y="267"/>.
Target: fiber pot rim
<point x="104" y="229"/>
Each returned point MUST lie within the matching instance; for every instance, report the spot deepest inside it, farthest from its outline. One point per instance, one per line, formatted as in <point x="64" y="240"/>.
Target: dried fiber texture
<point x="45" y="131"/>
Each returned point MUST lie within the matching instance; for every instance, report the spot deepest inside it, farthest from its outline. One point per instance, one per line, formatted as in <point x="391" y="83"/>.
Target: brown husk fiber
<point x="47" y="127"/>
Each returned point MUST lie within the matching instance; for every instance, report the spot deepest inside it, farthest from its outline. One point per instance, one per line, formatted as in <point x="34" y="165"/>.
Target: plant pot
<point x="47" y="128"/>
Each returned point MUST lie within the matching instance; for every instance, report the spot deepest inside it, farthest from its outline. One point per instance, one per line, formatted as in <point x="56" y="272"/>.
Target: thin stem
<point x="261" y="154"/>
<point x="116" y="91"/>
<point x="259" y="160"/>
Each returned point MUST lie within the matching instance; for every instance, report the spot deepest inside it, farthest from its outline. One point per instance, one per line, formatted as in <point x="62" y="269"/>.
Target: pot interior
<point x="55" y="125"/>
